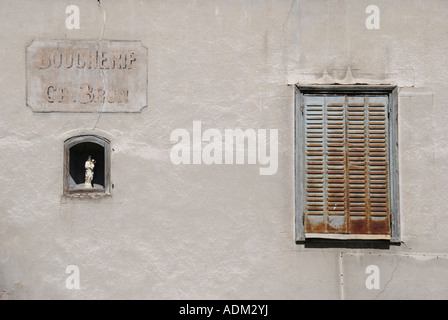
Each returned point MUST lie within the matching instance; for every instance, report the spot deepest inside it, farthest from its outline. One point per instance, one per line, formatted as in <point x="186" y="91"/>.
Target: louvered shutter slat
<point x="356" y="166"/>
<point x="378" y="169"/>
<point x="335" y="157"/>
<point x="315" y="163"/>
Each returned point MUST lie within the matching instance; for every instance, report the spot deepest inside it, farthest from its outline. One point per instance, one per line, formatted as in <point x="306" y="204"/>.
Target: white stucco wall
<point x="218" y="231"/>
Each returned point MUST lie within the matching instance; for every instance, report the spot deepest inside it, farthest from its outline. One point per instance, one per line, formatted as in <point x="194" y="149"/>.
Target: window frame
<point x="392" y="92"/>
<point x="69" y="143"/>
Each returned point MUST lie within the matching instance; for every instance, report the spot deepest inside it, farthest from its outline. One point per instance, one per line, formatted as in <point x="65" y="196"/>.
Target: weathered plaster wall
<point x="218" y="231"/>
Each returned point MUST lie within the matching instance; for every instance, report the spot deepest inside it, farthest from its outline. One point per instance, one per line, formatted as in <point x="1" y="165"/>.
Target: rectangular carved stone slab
<point x="86" y="76"/>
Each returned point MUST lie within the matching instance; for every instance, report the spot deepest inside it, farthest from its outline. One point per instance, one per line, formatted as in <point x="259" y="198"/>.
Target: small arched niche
<point x="86" y="166"/>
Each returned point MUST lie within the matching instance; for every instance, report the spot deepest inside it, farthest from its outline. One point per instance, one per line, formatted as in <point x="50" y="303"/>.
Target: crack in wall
<point x="401" y="255"/>
<point x="104" y="19"/>
<point x="289" y="14"/>
<point x="102" y="102"/>
<point x="65" y="35"/>
<point x="391" y="277"/>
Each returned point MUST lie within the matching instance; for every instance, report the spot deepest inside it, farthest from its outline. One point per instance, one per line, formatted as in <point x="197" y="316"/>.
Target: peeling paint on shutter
<point x="378" y="176"/>
<point x="336" y="136"/>
<point x="315" y="166"/>
<point x="346" y="171"/>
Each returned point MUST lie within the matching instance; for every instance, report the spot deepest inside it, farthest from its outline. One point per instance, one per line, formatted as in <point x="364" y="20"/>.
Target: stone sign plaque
<point x="86" y="76"/>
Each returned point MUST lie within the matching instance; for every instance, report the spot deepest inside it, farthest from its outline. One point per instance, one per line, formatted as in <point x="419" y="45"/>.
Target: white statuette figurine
<point x="90" y="164"/>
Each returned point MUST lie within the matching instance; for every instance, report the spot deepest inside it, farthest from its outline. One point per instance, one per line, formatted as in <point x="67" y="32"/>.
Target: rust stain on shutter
<point x="346" y="165"/>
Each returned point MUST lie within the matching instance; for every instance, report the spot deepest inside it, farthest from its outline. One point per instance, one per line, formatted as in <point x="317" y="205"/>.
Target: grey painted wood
<point x="393" y="167"/>
<point x="299" y="165"/>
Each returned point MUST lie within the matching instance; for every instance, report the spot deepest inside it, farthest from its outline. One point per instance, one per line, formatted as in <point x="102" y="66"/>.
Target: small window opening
<point x="87" y="165"/>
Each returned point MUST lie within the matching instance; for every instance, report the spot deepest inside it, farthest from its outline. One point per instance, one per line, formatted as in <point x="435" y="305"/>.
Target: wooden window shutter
<point x="346" y="165"/>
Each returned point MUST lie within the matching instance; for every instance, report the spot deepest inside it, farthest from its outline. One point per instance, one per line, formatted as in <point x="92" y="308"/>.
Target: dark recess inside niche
<point x="78" y="156"/>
